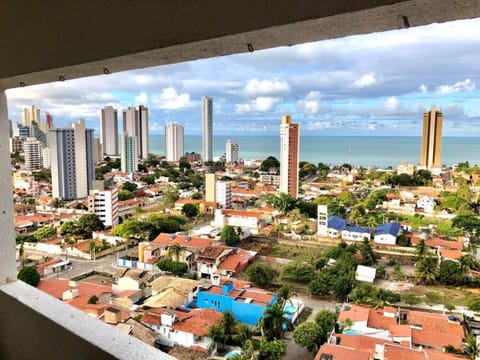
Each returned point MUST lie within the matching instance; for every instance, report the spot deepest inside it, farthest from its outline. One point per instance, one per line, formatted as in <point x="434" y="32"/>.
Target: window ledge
<point x="36" y="325"/>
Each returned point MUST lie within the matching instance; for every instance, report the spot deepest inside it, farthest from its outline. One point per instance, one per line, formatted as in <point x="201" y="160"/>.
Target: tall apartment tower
<point x="29" y="115"/>
<point x="32" y="149"/>
<point x="207" y="128"/>
<point x="109" y="130"/>
<point x="129" y="159"/>
<point x="173" y="141"/>
<point x="432" y="138"/>
<point x="135" y="124"/>
<point x="289" y="156"/>
<point x="72" y="164"/>
<point x="231" y="152"/>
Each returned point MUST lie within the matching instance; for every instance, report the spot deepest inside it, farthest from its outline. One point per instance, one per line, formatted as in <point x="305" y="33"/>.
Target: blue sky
<point x="375" y="84"/>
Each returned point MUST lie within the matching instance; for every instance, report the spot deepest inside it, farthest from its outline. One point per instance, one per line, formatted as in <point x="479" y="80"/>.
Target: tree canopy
<point x="261" y="274"/>
<point x="230" y="235"/>
<point x="30" y="275"/>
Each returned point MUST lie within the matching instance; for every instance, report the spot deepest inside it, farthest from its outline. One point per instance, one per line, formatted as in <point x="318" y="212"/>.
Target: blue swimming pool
<point x="231" y="354"/>
<point x="352" y="332"/>
<point x="290" y="309"/>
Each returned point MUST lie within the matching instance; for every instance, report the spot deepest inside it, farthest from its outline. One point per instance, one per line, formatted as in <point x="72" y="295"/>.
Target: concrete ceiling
<point x="48" y="40"/>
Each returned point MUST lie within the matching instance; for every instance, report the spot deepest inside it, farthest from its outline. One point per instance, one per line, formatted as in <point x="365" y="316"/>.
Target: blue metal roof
<point x="337" y="223"/>
<point x="391" y="228"/>
<point x="359" y="229"/>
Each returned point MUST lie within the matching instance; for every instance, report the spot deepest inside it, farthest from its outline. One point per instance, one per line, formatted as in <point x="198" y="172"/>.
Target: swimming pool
<point x="290" y="309"/>
<point x="231" y="354"/>
<point x="352" y="332"/>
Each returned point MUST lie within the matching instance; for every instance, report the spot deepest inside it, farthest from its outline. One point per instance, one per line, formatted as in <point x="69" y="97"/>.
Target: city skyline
<point x="374" y="84"/>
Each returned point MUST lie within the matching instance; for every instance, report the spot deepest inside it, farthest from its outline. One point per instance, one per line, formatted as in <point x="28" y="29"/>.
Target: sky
<point x="375" y="85"/>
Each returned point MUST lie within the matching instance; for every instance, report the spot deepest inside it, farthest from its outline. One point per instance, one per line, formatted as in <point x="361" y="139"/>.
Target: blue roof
<point x="358" y="229"/>
<point x="391" y="228"/>
<point x="337" y="223"/>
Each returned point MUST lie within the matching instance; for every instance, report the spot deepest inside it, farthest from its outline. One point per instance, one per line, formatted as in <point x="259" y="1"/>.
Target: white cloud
<point x="423" y="88"/>
<point x="257" y="87"/>
<point x="392" y="105"/>
<point x="366" y="80"/>
<point x="260" y="104"/>
<point x="467" y="85"/>
<point x="141" y="99"/>
<point x="311" y="104"/>
<point x="169" y="99"/>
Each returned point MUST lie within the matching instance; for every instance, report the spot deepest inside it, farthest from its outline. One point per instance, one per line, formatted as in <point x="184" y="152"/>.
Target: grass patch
<point x="295" y="252"/>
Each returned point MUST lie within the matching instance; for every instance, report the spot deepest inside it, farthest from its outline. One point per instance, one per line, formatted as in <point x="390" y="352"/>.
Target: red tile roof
<point x="437" y="330"/>
<point x="401" y="331"/>
<point x="198" y="321"/>
<point x="361" y="342"/>
<point x="194" y="242"/>
<point x="356" y="313"/>
<point x="342" y="353"/>
<point x="377" y="320"/>
<point x="450" y="254"/>
<point x="402" y="353"/>
<point x="242" y="213"/>
<point x="56" y="288"/>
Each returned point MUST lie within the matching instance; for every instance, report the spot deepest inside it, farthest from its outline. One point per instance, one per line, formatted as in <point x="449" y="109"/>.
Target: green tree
<point x="273" y="322"/>
<point x="283" y="202"/>
<point x="93" y="299"/>
<point x="170" y="196"/>
<point x="174" y="267"/>
<point x="261" y="274"/>
<point x="215" y="332"/>
<point x="426" y="270"/>
<point x="308" y="335"/>
<point x="472" y="347"/>
<point x="450" y="273"/>
<point x="44" y="233"/>
<point x="30" y="275"/>
<point x="273" y="350"/>
<point x="326" y="320"/>
<point x="243" y="332"/>
<point x="68" y="228"/>
<point x="129" y="186"/>
<point x="342" y="286"/>
<point x="229" y="236"/>
<point x="190" y="210"/>
<point x="299" y="271"/>
<point x="369" y="257"/>
<point x="176" y="249"/>
<point x="285" y="294"/>
<point x="88" y="223"/>
<point x="323" y="170"/>
<point x="347" y="198"/>
<point x="228" y="323"/>
<point x="474" y="304"/>
<point x="131" y="228"/>
<point x="149" y="179"/>
<point x="421" y="249"/>
<point x="124" y="195"/>
<point x="270" y="163"/>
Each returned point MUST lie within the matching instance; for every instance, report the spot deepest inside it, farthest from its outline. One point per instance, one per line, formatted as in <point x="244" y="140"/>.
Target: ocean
<point x="369" y="151"/>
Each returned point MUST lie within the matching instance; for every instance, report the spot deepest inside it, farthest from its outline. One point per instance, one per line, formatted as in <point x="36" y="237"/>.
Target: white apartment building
<point x="223" y="194"/>
<point x="104" y="203"/>
<point x="232" y="152"/>
<point x="32" y="149"/>
<point x="174" y="141"/>
<point x="46" y="158"/>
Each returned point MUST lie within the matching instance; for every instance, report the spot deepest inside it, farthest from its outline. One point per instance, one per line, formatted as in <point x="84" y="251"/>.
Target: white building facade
<point x="207" y="128"/>
<point x="174" y="135"/>
<point x="32" y="149"/>
<point x="223" y="193"/>
<point x="109" y="131"/>
<point x="232" y="152"/>
<point x="104" y="204"/>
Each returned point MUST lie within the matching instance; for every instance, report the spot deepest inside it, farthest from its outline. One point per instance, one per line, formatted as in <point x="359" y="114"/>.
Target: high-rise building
<point x="432" y="138"/>
<point x="135" y="124"/>
<point x="97" y="151"/>
<point x="231" y="153"/>
<point x="20" y="130"/>
<point x="72" y="164"/>
<point x="16" y="144"/>
<point x="223" y="194"/>
<point x="46" y="158"/>
<point x="207" y="128"/>
<point x="32" y="149"/>
<point x="129" y="159"/>
<point x="31" y="119"/>
<point x="109" y="130"/>
<point x="289" y="156"/>
<point x="104" y="203"/>
<point x="210" y="187"/>
<point x="173" y="141"/>
<point x="29" y="115"/>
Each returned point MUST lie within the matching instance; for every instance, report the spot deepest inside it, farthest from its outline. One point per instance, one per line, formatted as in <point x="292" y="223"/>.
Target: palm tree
<point x="421" y="249"/>
<point x="228" y="323"/>
<point x="285" y="294"/>
<point x="176" y="249"/>
<point x="215" y="332"/>
<point x="472" y="347"/>
<point x="426" y="270"/>
<point x="467" y="263"/>
<point x="368" y="255"/>
<point x="273" y="322"/>
<point x="243" y="332"/>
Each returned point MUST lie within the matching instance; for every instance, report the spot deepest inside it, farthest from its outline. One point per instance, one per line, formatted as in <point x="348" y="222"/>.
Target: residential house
<point x="248" y="221"/>
<point x="427" y="204"/>
<point x="246" y="304"/>
<point x="185" y="328"/>
<point x="171" y="292"/>
<point x="387" y="233"/>
<point x="356" y="233"/>
<point x="335" y="226"/>
<point x="365" y="273"/>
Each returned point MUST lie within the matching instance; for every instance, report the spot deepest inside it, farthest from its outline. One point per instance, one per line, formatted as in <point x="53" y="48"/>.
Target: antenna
<point x="350" y="156"/>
